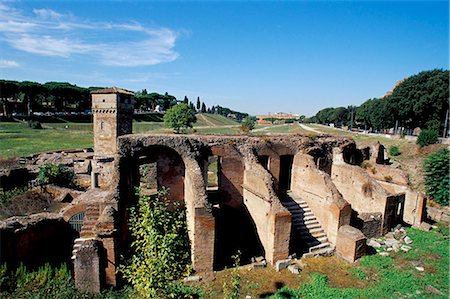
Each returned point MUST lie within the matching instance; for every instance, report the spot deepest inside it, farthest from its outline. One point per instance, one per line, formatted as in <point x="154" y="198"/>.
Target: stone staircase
<point x="306" y="227"/>
<point x="90" y="219"/>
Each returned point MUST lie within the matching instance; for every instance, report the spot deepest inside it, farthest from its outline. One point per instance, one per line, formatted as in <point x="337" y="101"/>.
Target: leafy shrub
<point x="48" y="282"/>
<point x="231" y="291"/>
<point x="5" y="196"/>
<point x="427" y="137"/>
<point x="436" y="169"/>
<point x="35" y="125"/>
<point x="394" y="151"/>
<point x="247" y="125"/>
<point x="160" y="245"/>
<point x="59" y="175"/>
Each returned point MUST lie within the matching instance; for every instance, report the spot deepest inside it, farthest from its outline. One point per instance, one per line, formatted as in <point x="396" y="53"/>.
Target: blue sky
<point x="253" y="56"/>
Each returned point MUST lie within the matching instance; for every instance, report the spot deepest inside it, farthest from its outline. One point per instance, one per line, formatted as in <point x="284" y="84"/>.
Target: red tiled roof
<point x="113" y="90"/>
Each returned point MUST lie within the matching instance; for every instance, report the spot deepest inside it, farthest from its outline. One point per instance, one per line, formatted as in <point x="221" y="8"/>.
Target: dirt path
<point x="305" y="127"/>
<point x="268" y="127"/>
<point x="206" y="120"/>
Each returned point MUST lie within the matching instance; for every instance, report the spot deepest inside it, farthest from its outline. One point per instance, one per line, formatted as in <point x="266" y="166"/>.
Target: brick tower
<point x="113" y="116"/>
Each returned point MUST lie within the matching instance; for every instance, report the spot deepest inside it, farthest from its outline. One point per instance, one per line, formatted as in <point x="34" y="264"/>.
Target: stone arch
<point x="200" y="221"/>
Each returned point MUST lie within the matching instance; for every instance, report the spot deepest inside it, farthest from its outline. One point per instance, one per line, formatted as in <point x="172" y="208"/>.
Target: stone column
<point x="87" y="265"/>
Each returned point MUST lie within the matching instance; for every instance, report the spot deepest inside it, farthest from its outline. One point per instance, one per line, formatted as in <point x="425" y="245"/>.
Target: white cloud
<point x="50" y="33"/>
<point x="48" y="45"/>
<point x="8" y="63"/>
<point x="47" y="13"/>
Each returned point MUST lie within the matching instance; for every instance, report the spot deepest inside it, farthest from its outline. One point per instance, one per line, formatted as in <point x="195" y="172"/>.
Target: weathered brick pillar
<point x="203" y="243"/>
<point x="87" y="265"/>
<point x="279" y="236"/>
<point x="105" y="230"/>
<point x="351" y="244"/>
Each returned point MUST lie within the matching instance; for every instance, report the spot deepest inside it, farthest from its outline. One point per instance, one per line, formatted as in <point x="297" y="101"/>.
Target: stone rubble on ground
<point x="282" y="264"/>
<point x="293" y="269"/>
<point x="393" y="241"/>
<point x="259" y="262"/>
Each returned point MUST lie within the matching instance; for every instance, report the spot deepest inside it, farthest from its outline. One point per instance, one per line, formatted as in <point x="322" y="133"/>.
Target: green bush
<point x="394" y="151"/>
<point x="427" y="137"/>
<point x="59" y="175"/>
<point x="5" y="196"/>
<point x="161" y="249"/>
<point x="35" y="125"/>
<point x="48" y="282"/>
<point x="436" y="170"/>
<point x="247" y="125"/>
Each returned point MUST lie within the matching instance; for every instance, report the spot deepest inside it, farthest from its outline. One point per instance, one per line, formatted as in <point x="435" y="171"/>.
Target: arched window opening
<point x="76" y="221"/>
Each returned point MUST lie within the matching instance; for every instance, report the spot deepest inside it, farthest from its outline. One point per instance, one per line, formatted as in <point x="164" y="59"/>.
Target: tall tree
<point x="203" y="109"/>
<point x="179" y="118"/>
<point x="198" y="104"/>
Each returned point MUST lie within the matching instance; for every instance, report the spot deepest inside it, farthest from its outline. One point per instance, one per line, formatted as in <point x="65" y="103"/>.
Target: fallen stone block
<point x="282" y="264"/>
<point x="192" y="278"/>
<point x="420" y="269"/>
<point x="406" y="248"/>
<point x="293" y="269"/>
<point x="407" y="240"/>
<point x="373" y="243"/>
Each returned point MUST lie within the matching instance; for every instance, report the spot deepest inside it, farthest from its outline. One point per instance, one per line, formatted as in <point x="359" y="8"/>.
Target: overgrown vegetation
<point x="6" y="195"/>
<point x="232" y="288"/>
<point x="436" y="169"/>
<point x="48" y="282"/>
<point x="394" y="151"/>
<point x="161" y="249"/>
<point x="247" y="125"/>
<point x="57" y="174"/>
<point x="427" y="137"/>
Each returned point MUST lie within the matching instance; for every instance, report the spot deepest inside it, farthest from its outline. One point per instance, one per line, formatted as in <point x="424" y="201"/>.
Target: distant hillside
<point x="214" y="120"/>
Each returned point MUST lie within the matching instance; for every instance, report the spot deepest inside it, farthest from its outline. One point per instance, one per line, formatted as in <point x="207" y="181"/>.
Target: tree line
<point x="28" y="97"/>
<point x="418" y="101"/>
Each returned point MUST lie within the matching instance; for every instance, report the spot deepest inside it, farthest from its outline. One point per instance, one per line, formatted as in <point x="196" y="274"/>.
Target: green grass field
<point x="18" y="139"/>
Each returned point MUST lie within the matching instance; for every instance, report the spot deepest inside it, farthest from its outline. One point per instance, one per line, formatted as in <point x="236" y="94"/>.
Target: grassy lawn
<point x="374" y="276"/>
<point x="17" y="139"/>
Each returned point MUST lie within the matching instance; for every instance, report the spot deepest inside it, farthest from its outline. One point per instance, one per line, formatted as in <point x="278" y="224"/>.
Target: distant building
<point x="280" y="117"/>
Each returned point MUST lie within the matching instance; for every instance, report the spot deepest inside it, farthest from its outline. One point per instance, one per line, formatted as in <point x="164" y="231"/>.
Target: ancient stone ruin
<point x="269" y="196"/>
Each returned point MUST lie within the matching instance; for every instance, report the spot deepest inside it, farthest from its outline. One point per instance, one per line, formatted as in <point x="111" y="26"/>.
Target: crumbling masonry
<point x="268" y="196"/>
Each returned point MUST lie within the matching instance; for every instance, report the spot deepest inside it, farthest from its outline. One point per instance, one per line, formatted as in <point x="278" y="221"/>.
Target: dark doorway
<point x="285" y="173"/>
<point x="235" y="231"/>
<point x="264" y="161"/>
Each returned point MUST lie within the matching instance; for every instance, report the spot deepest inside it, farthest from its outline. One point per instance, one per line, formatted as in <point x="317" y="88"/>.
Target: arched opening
<point x="76" y="222"/>
<point x="151" y="169"/>
<point x="161" y="167"/>
<point x="352" y="155"/>
<point x="322" y="159"/>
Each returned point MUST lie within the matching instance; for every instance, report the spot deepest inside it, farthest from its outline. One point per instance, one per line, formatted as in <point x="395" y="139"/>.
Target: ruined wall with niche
<point x="230" y="174"/>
